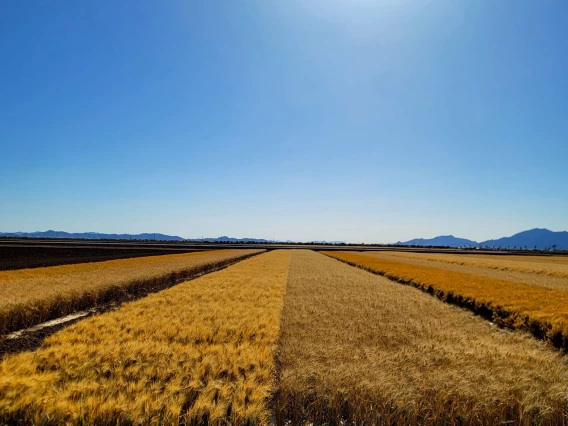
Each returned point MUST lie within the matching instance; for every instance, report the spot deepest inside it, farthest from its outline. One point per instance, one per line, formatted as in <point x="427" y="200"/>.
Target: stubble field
<point x="293" y="337"/>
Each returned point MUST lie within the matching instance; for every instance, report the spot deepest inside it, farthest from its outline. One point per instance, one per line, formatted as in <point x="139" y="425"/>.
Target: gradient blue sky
<point x="363" y="121"/>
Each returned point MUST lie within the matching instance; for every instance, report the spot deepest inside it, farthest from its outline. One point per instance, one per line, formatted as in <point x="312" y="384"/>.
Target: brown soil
<point x="20" y="257"/>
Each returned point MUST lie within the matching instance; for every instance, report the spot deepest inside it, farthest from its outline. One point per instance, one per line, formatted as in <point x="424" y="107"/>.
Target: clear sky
<point x="362" y="121"/>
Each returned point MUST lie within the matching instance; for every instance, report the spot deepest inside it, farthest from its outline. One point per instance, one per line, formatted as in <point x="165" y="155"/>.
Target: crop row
<point x="553" y="266"/>
<point x="287" y="337"/>
<point x="540" y="311"/>
<point x="356" y="348"/>
<point x="201" y="352"/>
<point x="32" y="296"/>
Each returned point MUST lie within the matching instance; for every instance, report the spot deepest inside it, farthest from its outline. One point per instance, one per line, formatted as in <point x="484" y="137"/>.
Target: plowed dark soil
<point x="20" y="257"/>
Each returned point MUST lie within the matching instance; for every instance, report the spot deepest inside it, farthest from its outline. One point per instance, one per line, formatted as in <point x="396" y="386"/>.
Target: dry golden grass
<point x="541" y="311"/>
<point x="31" y="296"/>
<point x="201" y="352"/>
<point x="465" y="264"/>
<point x="554" y="266"/>
<point x="357" y="347"/>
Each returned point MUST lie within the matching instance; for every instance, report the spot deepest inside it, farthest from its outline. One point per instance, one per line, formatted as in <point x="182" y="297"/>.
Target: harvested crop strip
<point x="541" y="311"/>
<point x="359" y="349"/>
<point x="32" y="296"/>
<point x="201" y="352"/>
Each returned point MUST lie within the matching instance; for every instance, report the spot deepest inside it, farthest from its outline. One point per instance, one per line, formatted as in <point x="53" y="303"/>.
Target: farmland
<point x="469" y="264"/>
<point x="293" y="337"/>
<point x="546" y="266"/>
<point x="202" y="351"/>
<point x="31" y="296"/>
<point x="539" y="310"/>
<point x="360" y="347"/>
<point x="20" y="256"/>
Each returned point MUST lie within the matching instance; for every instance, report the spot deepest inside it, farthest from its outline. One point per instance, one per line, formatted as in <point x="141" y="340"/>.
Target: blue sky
<point x="363" y="121"/>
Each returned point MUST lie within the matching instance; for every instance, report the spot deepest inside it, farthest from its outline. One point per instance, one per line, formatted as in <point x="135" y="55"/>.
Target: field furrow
<point x="356" y="347"/>
<point x="201" y="352"/>
<point x="540" y="311"/>
<point x="31" y="296"/>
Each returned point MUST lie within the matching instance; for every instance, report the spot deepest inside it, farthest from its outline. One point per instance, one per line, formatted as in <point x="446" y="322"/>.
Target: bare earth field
<point x="18" y="256"/>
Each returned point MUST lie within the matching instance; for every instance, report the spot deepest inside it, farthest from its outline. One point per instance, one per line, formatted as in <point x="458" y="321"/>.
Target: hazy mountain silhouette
<point x="534" y="238"/>
<point x="539" y="238"/>
<point x="92" y="235"/>
<point x="442" y="240"/>
<point x="225" y="239"/>
<point x="145" y="236"/>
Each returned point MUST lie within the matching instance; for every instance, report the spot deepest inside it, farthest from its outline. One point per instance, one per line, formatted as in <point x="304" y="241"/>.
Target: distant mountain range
<point x="91" y="235"/>
<point x="146" y="236"/>
<point x="225" y="239"/>
<point x="540" y="239"/>
<point x="535" y="238"/>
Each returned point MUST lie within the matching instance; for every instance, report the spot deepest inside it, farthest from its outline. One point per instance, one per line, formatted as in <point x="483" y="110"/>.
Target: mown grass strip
<point x="201" y="352"/>
<point x="540" y="311"/>
<point x="32" y="296"/>
<point x="358" y="349"/>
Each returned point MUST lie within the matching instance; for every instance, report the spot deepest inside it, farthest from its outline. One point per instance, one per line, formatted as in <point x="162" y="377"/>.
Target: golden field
<point x="293" y="337"/>
<point x="31" y="296"/>
<point x="541" y="311"/>
<point x="467" y="264"/>
<point x="201" y="352"/>
<point x="554" y="266"/>
<point x="358" y="348"/>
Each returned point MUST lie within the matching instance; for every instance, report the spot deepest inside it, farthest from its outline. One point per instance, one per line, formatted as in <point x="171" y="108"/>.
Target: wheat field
<point x="31" y="296"/>
<point x="289" y="337"/>
<point x="466" y="264"/>
<point x="553" y="266"/>
<point x="541" y="311"/>
<point x="359" y="349"/>
<point x="201" y="352"/>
